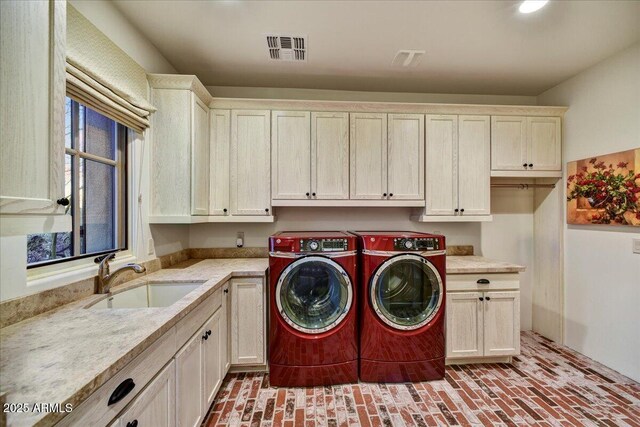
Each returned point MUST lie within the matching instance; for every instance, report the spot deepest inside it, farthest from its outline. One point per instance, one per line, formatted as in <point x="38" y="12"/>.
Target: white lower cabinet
<point x="155" y="405"/>
<point x="212" y="351"/>
<point x="483" y="317"/>
<point x="248" y="321"/>
<point x="189" y="387"/>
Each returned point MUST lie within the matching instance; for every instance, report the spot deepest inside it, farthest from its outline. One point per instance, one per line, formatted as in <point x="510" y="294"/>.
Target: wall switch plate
<point x="240" y="239"/>
<point x="636" y="246"/>
<point x="150" y="247"/>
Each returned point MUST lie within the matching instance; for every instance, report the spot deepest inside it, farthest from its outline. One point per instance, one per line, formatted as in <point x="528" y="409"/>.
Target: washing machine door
<point x="314" y="294"/>
<point x="406" y="291"/>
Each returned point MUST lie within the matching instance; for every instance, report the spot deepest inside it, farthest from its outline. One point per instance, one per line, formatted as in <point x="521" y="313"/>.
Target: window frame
<point x="122" y="215"/>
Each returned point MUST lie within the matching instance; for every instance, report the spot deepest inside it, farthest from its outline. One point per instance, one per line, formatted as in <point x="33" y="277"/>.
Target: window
<point x="95" y="185"/>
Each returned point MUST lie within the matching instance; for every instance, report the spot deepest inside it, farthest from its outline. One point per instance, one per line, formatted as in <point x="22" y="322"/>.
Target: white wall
<point x="108" y="19"/>
<point x="602" y="275"/>
<point x="351" y="95"/>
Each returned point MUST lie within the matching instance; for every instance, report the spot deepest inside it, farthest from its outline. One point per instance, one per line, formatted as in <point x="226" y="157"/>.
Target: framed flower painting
<point x="605" y="189"/>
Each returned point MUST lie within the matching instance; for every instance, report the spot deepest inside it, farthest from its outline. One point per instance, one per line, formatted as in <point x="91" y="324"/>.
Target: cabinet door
<point x="508" y="143"/>
<point x="189" y="387"/>
<point x="156" y="403"/>
<point x="543" y="143"/>
<point x="32" y="108"/>
<point x="212" y="357"/>
<point x="330" y="156"/>
<point x="464" y="324"/>
<point x="474" y="165"/>
<point x="250" y="162"/>
<point x="248" y="322"/>
<point x="405" y="157"/>
<point x="368" y="156"/>
<point x="501" y="323"/>
<point x="199" y="157"/>
<point x="220" y="130"/>
<point x="441" y="164"/>
<point x="226" y="326"/>
<point x="290" y="155"/>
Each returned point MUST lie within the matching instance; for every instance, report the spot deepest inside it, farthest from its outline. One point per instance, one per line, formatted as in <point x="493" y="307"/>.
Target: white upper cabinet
<point x="508" y="143"/>
<point x="405" y="157"/>
<point x="368" y="156"/>
<point x="32" y="116"/>
<point x="474" y="165"/>
<point x="220" y="139"/>
<point x="330" y="156"/>
<point x="458" y="166"/>
<point x="250" y="162"/>
<point x="529" y="146"/>
<point x="179" y="148"/>
<point x="290" y="155"/>
<point x="543" y="143"/>
<point x="442" y="168"/>
<point x="200" y="157"/>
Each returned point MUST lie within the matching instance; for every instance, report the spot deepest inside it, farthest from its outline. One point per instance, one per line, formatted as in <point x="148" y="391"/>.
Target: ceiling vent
<point x="407" y="58"/>
<point x="287" y="48"/>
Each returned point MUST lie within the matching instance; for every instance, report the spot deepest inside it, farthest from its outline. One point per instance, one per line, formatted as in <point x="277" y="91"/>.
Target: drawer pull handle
<point x="121" y="391"/>
<point x="133" y="423"/>
<point x="483" y="282"/>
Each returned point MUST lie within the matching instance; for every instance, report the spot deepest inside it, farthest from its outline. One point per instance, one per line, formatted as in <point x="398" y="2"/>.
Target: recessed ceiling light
<point x="529" y="6"/>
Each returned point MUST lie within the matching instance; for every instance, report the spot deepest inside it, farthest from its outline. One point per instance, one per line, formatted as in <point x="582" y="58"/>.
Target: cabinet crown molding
<point x="179" y="81"/>
<point x="387" y="107"/>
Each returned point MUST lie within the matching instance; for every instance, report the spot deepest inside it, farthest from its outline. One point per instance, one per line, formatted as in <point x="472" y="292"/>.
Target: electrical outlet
<point x="150" y="247"/>
<point x="636" y="246"/>
<point x="240" y="239"/>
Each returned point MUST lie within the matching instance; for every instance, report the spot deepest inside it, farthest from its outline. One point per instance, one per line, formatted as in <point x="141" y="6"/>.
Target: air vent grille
<point x="286" y="47"/>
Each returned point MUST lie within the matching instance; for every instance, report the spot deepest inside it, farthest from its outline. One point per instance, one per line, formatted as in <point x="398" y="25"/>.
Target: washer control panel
<point x="416" y="244"/>
<point x="323" y="245"/>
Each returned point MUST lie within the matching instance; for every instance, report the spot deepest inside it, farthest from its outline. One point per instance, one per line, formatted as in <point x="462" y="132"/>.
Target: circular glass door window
<point x="406" y="292"/>
<point x="314" y="294"/>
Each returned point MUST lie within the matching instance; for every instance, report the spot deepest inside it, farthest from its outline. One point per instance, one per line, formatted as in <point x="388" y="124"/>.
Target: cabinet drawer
<point x="96" y="409"/>
<point x="478" y="282"/>
<point x="194" y="320"/>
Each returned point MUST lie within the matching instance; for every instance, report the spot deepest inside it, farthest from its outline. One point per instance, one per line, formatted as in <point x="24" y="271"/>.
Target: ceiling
<point x="474" y="47"/>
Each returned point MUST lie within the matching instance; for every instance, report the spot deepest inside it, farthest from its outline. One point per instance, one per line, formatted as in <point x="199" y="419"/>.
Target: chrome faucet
<point x="105" y="277"/>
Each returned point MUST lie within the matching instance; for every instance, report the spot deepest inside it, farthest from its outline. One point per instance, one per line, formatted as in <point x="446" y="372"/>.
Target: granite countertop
<point x="64" y="355"/>
<point x="468" y="264"/>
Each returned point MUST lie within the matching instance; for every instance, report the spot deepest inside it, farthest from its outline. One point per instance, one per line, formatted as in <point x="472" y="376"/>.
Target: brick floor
<point x="548" y="385"/>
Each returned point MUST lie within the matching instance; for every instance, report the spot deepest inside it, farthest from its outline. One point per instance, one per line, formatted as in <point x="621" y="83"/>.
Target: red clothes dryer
<point x="402" y="305"/>
<point x="312" y="309"/>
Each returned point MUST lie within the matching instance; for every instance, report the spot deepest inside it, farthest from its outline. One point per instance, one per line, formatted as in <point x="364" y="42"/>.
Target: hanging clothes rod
<point x="523" y="186"/>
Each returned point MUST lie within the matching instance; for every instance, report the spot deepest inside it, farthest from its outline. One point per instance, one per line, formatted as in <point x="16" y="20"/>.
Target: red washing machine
<point x="402" y="305"/>
<point x="312" y="309"/>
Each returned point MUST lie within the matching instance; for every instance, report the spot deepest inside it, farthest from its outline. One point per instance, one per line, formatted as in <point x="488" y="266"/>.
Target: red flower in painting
<point x="622" y="165"/>
<point x="593" y="160"/>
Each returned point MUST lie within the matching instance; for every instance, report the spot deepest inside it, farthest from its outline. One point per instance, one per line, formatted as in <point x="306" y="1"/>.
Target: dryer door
<point x="406" y="291"/>
<point x="314" y="294"/>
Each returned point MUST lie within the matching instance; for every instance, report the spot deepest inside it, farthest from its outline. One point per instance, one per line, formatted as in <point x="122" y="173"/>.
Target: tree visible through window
<point x="95" y="184"/>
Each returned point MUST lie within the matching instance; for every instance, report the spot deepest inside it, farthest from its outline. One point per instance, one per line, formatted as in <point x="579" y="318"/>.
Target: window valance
<point x="103" y="77"/>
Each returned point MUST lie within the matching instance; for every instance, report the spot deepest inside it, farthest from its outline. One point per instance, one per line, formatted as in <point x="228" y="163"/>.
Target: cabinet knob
<point x="462" y="210"/>
<point x="205" y="337"/>
<point x="524" y="164"/>
<point x="209" y="332"/>
<point x="313" y="194"/>
<point x="63" y="202"/>
<point x="307" y="194"/>
<point x="226" y="291"/>
<point x="224" y="210"/>
<point x="530" y="165"/>
<point x="133" y="423"/>
<point x="488" y="298"/>
<point x="390" y="194"/>
<point x="456" y="210"/>
<point x="481" y="299"/>
<point x="384" y="194"/>
<point x="266" y="210"/>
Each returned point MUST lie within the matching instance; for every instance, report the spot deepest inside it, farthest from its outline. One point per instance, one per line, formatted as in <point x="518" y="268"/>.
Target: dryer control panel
<point x="323" y="245"/>
<point x="416" y="244"/>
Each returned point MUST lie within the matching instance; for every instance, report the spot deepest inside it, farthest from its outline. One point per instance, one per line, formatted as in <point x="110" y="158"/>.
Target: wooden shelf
<point x="350" y="203"/>
<point x="459" y="218"/>
<point x="209" y="219"/>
